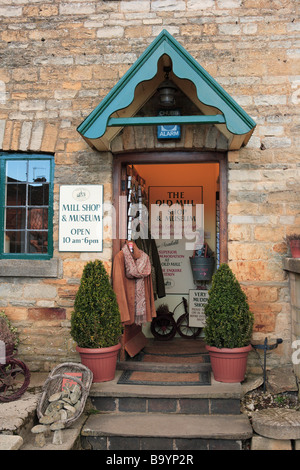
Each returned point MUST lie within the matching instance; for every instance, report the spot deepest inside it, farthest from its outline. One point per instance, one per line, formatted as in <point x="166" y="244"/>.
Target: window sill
<point x="30" y="268"/>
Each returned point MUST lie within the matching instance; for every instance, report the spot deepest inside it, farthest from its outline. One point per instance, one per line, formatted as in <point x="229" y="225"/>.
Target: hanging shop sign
<point x="172" y="131"/>
<point x="174" y="229"/>
<point x="81" y="218"/>
<point x="197" y="300"/>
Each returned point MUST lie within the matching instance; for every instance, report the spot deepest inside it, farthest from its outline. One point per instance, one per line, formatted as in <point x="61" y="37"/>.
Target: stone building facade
<point x="60" y="59"/>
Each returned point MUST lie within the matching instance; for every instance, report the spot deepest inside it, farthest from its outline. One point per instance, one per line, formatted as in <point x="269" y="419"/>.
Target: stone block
<point x="11" y="11"/>
<point x="132" y="404"/>
<point x="25" y="135"/>
<point x="105" y="403"/>
<point x="7" y="135"/>
<point x="111" y="32"/>
<point x="2" y="130"/>
<point x="264" y="443"/>
<point x="36" y="291"/>
<point x="37" y="135"/>
<point x="228" y="406"/>
<point x="194" y="406"/>
<point x="138" y="31"/>
<point x="77" y="8"/>
<point x="239" y="232"/>
<point x="140" y="6"/>
<point x="164" y="405"/>
<point x="168" y="5"/>
<point x="46" y="313"/>
<point x="204" y="5"/>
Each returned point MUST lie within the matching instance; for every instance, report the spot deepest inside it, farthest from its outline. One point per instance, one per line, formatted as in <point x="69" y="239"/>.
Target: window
<point x="26" y="206"/>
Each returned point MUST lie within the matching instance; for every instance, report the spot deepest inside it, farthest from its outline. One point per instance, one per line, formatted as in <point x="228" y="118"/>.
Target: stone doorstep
<point x="170" y="426"/>
<point x="215" y="390"/>
<point x="166" y="432"/>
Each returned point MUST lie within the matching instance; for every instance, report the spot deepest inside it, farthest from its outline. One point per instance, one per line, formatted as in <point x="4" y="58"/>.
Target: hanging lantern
<point x="167" y="91"/>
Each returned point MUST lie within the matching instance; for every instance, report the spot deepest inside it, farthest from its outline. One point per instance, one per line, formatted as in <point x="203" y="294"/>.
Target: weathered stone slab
<point x="265" y="443"/>
<point x="277" y="423"/>
<point x="30" y="268"/>
<point x="9" y="442"/>
<point x="282" y="379"/>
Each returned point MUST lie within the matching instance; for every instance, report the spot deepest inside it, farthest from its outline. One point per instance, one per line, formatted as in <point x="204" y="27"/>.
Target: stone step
<point x="132" y="431"/>
<point x="217" y="398"/>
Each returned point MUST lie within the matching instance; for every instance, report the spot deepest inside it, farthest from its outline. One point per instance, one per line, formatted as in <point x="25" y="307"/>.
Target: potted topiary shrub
<point x="228" y="327"/>
<point x="294" y="244"/>
<point x="95" y="322"/>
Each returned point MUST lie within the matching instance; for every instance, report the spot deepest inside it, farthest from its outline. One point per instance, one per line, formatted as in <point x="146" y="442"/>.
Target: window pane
<point x="15" y="218"/>
<point x="26" y="204"/>
<point x="14" y="242"/>
<point x="39" y="171"/>
<point x="38" y="219"/>
<point x="37" y="242"/>
<point x="16" y="170"/>
<point x="16" y="194"/>
<point x="38" y="195"/>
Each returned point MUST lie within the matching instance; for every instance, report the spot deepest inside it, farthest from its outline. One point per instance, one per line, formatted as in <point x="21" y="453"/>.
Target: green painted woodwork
<point x="167" y="120"/>
<point x="4" y="157"/>
<point x="184" y="66"/>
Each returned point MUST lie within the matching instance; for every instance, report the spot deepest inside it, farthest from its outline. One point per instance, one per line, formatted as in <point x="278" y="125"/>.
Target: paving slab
<point x="277" y="423"/>
<point x="15" y="415"/>
<point x="9" y="442"/>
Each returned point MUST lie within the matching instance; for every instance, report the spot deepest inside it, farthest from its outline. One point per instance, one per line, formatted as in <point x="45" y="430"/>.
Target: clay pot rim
<point x="229" y="350"/>
<point x="97" y="350"/>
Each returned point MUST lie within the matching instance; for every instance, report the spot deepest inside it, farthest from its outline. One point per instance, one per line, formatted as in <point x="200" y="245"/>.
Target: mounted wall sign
<point x="81" y="218"/>
<point x="174" y="229"/>
<point x="197" y="300"/>
<point x="172" y="131"/>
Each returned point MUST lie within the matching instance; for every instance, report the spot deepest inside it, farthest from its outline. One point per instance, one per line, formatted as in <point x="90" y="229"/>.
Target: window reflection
<point x="38" y="195"/>
<point x="16" y="170"/>
<point x="14" y="242"/>
<point x="26" y="206"/>
<point x="39" y="171"/>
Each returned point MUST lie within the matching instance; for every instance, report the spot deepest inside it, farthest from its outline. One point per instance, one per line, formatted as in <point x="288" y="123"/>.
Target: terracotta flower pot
<point x="229" y="365"/>
<point x="295" y="248"/>
<point x="101" y="361"/>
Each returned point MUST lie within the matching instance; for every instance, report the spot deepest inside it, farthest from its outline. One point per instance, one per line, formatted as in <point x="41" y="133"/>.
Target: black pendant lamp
<point x="167" y="90"/>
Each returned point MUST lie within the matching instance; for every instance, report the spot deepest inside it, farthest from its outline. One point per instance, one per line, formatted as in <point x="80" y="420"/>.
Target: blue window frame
<point x="26" y="206"/>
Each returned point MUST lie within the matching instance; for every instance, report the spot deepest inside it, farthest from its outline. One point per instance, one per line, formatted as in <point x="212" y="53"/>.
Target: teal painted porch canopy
<point x="120" y="107"/>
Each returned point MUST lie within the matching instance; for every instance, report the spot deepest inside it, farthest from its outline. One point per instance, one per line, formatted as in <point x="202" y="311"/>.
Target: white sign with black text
<point x="81" y="218"/>
<point x="197" y="300"/>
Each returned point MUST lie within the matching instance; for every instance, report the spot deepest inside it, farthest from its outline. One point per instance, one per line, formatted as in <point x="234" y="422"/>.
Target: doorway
<point x="185" y="178"/>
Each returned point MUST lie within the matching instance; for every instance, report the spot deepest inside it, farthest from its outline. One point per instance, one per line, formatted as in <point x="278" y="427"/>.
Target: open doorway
<point x="184" y="179"/>
<point x="181" y="184"/>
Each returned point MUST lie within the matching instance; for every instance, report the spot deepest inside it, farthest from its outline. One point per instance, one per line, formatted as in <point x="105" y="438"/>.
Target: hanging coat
<point x="125" y="290"/>
<point x="149" y="247"/>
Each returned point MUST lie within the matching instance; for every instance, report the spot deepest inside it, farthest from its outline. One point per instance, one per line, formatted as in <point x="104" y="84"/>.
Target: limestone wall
<point x="60" y="58"/>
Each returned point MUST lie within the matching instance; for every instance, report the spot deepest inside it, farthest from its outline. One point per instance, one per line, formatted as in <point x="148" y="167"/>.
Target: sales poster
<point x="176" y="229"/>
<point x="197" y="300"/>
<point x="81" y="218"/>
